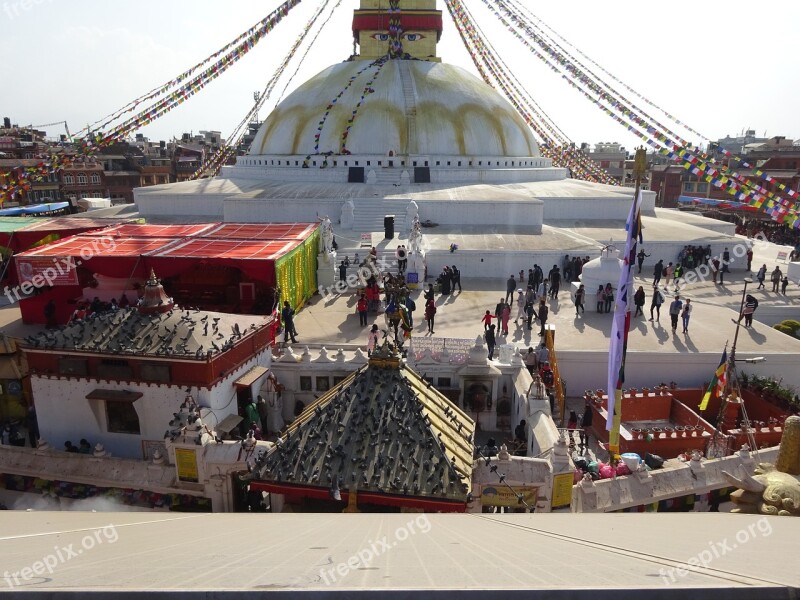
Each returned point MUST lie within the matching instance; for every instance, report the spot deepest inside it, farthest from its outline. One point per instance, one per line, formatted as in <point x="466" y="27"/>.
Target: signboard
<point x="457" y="348"/>
<point x="186" y="462"/>
<point x="562" y="490"/>
<point x="782" y="256"/>
<point x="41" y="271"/>
<point x="366" y="240"/>
<point x="502" y="495"/>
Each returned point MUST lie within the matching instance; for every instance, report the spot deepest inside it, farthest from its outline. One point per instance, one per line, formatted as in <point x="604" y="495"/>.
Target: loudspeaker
<point x="388" y="226"/>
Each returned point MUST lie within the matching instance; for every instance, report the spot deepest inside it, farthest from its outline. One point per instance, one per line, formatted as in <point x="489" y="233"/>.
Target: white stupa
<point x="365" y="138"/>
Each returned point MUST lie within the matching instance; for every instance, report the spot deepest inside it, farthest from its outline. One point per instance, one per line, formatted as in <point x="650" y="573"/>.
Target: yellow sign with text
<point x="562" y="490"/>
<point x="186" y="462"/>
<point x="508" y="496"/>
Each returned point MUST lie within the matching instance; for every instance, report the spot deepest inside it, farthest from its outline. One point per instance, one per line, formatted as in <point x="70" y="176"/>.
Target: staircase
<point x="369" y="212"/>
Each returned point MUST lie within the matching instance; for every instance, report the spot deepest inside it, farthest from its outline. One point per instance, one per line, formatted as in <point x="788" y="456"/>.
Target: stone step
<point x="368" y="214"/>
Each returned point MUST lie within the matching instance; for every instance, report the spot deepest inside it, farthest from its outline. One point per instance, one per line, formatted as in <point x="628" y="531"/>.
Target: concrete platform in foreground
<point x="400" y="555"/>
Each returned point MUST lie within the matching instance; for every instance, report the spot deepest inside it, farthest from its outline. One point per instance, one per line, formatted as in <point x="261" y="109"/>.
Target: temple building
<point x="392" y="136"/>
<point x="383" y="435"/>
<point x="117" y="377"/>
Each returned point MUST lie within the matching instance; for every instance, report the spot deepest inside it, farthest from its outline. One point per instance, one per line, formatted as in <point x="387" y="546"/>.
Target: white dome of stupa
<point x="404" y="106"/>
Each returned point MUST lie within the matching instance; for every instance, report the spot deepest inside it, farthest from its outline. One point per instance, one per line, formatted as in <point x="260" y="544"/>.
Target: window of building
<point x="444" y="382"/>
<point x="323" y="384"/>
<point x="82" y="180"/>
<point x="337" y="379"/>
<point x="72" y="366"/>
<point x="688" y="186"/>
<point x="95" y="179"/>
<point x="110" y="368"/>
<point x="158" y="373"/>
<point x="702" y="187"/>
<point x="69" y="179"/>
<point x="305" y="383"/>
<point x="121" y="417"/>
<point x="429" y="380"/>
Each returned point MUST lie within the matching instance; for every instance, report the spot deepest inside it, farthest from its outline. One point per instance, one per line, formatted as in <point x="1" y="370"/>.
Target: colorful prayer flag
<point x="718" y="381"/>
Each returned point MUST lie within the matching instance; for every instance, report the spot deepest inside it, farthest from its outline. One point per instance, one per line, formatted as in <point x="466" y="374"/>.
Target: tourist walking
<point x="761" y="276"/>
<point x="372" y="339"/>
<point x="487" y="320"/>
<point x="749" y="308"/>
<point x="601" y="295"/>
<point x="658" y="270"/>
<point x="580" y="296"/>
<point x="655" y="303"/>
<point x="608" y="297"/>
<point x="511" y="285"/>
<point x="456" y="278"/>
<point x="640" y="259"/>
<point x="715" y="268"/>
<point x="639" y="300"/>
<point x="784" y="284"/>
<point x="776" y="277"/>
<point x="686" y="314"/>
<point x="411" y="306"/>
<point x="498" y="309"/>
<point x="430" y="314"/>
<point x="555" y="281"/>
<point x="490" y="340"/>
<point x="504" y="317"/>
<point x="520" y="306"/>
<point x="362" y="307"/>
<point x="530" y="360"/>
<point x="542" y="355"/>
<point x="674" y="312"/>
<point x="530" y="312"/>
<point x="287" y="314"/>
<point x="586" y="426"/>
<point x="542" y="315"/>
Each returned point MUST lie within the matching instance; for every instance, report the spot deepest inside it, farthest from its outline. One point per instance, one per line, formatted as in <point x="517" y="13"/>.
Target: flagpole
<point x="621" y="322"/>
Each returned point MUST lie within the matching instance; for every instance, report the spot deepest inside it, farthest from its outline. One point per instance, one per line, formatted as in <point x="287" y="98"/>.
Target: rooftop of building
<point x="601" y="557"/>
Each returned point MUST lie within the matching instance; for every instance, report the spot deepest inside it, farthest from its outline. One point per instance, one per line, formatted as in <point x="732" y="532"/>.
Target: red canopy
<point x="24" y="238"/>
<point x="261" y="231"/>
<point x="255" y="258"/>
<point x="107" y="256"/>
<point x="150" y="231"/>
<point x="130" y="250"/>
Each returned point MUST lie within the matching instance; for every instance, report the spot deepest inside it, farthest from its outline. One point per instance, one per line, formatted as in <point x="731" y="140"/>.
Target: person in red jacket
<point x="362" y="308"/>
<point x="430" y="313"/>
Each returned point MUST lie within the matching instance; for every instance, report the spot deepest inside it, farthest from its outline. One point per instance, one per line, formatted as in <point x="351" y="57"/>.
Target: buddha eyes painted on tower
<point x="406" y="37"/>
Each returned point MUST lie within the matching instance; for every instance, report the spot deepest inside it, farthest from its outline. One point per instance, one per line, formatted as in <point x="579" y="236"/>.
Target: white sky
<point x="720" y="68"/>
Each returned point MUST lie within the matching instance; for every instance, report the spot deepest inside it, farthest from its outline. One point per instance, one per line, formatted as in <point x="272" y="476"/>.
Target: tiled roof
<point x="384" y="430"/>
<point x="177" y="333"/>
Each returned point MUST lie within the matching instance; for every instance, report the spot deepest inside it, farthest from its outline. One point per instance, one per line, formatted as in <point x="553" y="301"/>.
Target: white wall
<point x="64" y="413"/>
<point x="604" y="207"/>
<point x="585" y="370"/>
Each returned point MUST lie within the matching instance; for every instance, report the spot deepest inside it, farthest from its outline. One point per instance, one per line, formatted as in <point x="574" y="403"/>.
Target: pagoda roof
<point x="177" y="333"/>
<point x="383" y="431"/>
